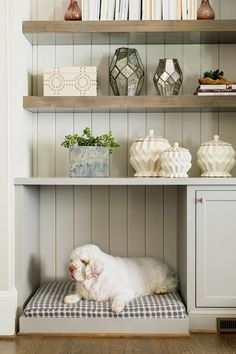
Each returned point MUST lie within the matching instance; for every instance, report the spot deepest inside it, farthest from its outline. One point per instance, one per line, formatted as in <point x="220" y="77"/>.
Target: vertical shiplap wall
<point x="127" y="221"/>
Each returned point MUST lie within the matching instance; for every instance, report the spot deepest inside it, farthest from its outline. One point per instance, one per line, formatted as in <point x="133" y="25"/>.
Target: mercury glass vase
<point x="126" y="72"/>
<point x="205" y="11"/>
<point x="73" y="13"/>
<point x="168" y="77"/>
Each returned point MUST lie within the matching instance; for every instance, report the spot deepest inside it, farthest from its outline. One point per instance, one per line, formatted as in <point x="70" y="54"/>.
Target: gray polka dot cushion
<point x="48" y="302"/>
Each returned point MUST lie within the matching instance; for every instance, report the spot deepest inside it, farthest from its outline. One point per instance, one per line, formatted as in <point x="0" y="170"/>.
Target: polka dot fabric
<point x="48" y="302"/>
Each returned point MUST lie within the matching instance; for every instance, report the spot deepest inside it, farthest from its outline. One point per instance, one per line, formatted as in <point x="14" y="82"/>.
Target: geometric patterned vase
<point x="168" y="77"/>
<point x="126" y="72"/>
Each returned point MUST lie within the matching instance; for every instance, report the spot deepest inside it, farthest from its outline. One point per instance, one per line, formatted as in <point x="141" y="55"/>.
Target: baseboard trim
<point x="206" y="322"/>
<point x="120" y="327"/>
<point x="8" y="305"/>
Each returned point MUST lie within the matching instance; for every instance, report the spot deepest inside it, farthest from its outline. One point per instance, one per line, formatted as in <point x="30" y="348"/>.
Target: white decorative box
<point x="70" y="81"/>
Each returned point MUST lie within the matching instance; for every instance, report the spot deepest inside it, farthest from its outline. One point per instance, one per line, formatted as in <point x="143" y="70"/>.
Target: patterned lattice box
<point x="70" y="81"/>
<point x="48" y="303"/>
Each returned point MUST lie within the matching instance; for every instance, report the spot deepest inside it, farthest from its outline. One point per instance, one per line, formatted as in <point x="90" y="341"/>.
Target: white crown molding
<point x="8" y="305"/>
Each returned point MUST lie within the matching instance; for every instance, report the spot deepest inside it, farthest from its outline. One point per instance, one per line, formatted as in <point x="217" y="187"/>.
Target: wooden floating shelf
<point x="100" y="103"/>
<point x="187" y="31"/>
<point x="123" y="181"/>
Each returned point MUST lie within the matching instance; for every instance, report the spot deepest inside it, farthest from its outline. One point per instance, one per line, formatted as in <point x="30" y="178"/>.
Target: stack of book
<point x="95" y="10"/>
<point x="216" y="90"/>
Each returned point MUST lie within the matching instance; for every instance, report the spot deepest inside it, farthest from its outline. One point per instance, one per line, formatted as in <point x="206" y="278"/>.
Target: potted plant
<point x="89" y="154"/>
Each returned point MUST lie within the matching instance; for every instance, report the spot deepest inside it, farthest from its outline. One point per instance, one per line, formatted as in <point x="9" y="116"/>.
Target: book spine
<point x="111" y="10"/>
<point x="194" y="9"/>
<point x="216" y="93"/>
<point x="121" y="9"/>
<point x="126" y="10"/>
<point x="217" y="87"/>
<point x="189" y="9"/>
<point x="83" y="9"/>
<point x="144" y="9"/>
<point x="103" y="9"/>
<point x="165" y="10"/>
<point x="134" y="10"/>
<point x="179" y="9"/>
<point x="156" y="9"/>
<point x="219" y="90"/>
<point x="92" y="8"/>
<point x="149" y="10"/>
<point x="173" y="8"/>
<point x="184" y="10"/>
<point x="117" y="10"/>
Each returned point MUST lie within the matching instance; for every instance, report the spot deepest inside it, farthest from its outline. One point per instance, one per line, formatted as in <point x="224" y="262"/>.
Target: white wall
<point x="15" y="142"/>
<point x="4" y="157"/>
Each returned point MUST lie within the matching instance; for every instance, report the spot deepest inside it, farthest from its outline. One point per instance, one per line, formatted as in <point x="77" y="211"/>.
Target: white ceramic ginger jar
<point x="175" y="162"/>
<point x="145" y="155"/>
<point x="216" y="158"/>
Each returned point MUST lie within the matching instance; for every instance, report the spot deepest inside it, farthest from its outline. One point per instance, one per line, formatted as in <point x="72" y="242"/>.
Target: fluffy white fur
<point x="100" y="276"/>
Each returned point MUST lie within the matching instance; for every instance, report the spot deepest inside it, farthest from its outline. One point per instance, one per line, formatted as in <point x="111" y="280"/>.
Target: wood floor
<point x="196" y="343"/>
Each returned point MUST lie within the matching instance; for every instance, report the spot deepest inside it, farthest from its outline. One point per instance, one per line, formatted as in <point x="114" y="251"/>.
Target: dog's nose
<point x="72" y="267"/>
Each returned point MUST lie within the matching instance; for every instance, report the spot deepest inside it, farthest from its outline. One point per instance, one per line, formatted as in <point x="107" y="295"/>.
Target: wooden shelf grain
<point x="187" y="31"/>
<point x="101" y="103"/>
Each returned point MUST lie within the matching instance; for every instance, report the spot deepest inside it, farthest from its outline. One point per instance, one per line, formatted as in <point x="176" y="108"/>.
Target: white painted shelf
<point x="128" y="181"/>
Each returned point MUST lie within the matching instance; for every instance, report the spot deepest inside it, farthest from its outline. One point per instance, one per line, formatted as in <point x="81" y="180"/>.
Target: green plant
<point x="87" y="139"/>
<point x="214" y="75"/>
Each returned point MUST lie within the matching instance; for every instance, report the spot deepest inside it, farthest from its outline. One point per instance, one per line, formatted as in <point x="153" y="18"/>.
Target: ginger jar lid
<point x="152" y="137"/>
<point x="216" y="142"/>
<point x="177" y="148"/>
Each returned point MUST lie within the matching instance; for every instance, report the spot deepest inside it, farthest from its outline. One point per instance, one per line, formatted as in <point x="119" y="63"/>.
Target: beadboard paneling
<point x="131" y="221"/>
<point x="48" y="233"/>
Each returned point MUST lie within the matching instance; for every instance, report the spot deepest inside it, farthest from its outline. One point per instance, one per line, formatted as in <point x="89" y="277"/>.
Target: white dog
<point x="100" y="277"/>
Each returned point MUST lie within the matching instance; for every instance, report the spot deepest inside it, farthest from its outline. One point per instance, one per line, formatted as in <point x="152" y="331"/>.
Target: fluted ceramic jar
<point x="175" y="162"/>
<point x="145" y="155"/>
<point x="216" y="158"/>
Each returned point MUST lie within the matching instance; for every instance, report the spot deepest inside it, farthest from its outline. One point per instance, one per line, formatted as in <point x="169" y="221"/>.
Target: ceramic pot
<point x="175" y="162"/>
<point x="126" y="72"/>
<point x="205" y="11"/>
<point x="73" y="13"/>
<point x="168" y="77"/>
<point x="216" y="158"/>
<point x="88" y="161"/>
<point x="145" y="155"/>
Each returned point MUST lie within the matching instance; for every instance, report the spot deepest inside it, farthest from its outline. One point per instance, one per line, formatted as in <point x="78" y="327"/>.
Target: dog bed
<point x="48" y="303"/>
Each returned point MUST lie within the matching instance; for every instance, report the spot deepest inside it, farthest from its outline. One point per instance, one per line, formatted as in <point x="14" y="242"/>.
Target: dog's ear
<point x="93" y="269"/>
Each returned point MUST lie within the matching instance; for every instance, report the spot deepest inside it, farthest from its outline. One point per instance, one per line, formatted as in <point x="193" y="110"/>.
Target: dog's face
<point x="84" y="264"/>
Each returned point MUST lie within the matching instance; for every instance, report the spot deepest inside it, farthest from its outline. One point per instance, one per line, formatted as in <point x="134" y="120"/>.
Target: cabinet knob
<point x="200" y="200"/>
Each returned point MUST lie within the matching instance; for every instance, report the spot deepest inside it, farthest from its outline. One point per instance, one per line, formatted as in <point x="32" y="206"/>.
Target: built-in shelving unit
<point x="137" y="219"/>
<point x="62" y="32"/>
<point x="68" y="104"/>
<point x="127" y="181"/>
<point x="190" y="31"/>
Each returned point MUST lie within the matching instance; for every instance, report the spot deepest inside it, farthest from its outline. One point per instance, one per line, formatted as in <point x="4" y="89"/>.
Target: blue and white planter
<point x="88" y="161"/>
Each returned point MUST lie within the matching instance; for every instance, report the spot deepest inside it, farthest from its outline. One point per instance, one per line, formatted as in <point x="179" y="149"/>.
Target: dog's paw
<point x="71" y="299"/>
<point x="117" y="306"/>
<point x="161" y="291"/>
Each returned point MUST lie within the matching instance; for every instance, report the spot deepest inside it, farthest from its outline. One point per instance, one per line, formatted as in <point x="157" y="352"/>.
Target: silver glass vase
<point x="168" y="77"/>
<point x="126" y="72"/>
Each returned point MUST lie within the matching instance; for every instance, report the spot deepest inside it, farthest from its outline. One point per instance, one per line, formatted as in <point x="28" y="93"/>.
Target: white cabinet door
<point x="216" y="248"/>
